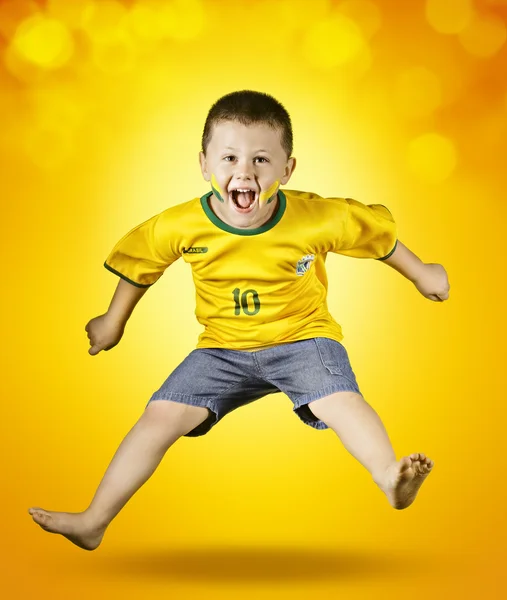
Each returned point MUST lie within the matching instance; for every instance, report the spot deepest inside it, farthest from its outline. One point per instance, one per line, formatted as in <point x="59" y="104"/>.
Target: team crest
<point x="304" y="264"/>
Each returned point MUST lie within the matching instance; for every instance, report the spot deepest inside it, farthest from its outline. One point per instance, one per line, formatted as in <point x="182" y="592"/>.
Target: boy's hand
<point x="104" y="333"/>
<point x="432" y="282"/>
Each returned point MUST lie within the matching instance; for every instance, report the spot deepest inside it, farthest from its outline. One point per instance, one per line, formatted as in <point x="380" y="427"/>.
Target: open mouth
<point x="243" y="199"/>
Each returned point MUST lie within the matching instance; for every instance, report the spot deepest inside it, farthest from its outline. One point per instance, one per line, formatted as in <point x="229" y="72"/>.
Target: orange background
<point x="398" y="103"/>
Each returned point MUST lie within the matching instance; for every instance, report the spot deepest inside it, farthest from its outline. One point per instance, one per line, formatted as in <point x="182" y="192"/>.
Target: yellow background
<point x="399" y="103"/>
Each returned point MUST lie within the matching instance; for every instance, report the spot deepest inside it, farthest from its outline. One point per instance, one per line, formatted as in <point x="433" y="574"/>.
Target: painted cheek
<point x="217" y="190"/>
<point x="265" y="197"/>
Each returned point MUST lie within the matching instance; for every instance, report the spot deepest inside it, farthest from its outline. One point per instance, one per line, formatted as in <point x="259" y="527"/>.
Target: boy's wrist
<point x="118" y="317"/>
<point x="417" y="272"/>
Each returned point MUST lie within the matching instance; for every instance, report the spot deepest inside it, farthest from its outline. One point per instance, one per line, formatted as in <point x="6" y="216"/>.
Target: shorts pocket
<point x="331" y="355"/>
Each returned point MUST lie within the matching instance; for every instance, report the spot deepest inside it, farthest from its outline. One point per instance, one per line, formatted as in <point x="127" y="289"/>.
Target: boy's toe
<point x="33" y="509"/>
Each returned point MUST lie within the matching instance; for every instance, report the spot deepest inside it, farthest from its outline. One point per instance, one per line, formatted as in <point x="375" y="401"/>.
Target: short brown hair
<point x="248" y="107"/>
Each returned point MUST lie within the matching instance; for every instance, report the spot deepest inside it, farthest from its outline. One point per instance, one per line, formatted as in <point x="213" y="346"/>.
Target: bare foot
<point x="404" y="478"/>
<point x="74" y="526"/>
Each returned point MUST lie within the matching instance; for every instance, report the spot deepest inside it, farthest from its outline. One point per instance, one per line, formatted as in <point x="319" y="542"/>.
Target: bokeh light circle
<point x="182" y="20"/>
<point x="44" y="42"/>
<point x="333" y="42"/>
<point x="364" y="13"/>
<point x="69" y="12"/>
<point x="484" y="37"/>
<point x="449" y="16"/>
<point x="288" y="12"/>
<point x="145" y="21"/>
<point x="102" y="20"/>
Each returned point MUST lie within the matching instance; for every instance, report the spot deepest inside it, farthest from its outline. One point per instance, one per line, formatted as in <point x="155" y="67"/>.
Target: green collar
<point x="266" y="227"/>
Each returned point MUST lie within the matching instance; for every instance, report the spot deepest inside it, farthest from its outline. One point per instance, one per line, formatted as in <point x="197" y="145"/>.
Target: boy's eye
<point x="231" y="157"/>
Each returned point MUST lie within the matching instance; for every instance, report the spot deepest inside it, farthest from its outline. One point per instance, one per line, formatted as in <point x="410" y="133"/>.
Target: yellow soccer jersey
<point x="261" y="287"/>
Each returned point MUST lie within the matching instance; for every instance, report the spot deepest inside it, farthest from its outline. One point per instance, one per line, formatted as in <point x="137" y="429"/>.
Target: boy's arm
<point x="429" y="278"/>
<point x="139" y="259"/>
<point x="105" y="331"/>
<point x="405" y="262"/>
<point x="124" y="300"/>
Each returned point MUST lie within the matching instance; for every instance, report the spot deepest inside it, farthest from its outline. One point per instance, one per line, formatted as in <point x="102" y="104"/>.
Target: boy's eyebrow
<point x="237" y="149"/>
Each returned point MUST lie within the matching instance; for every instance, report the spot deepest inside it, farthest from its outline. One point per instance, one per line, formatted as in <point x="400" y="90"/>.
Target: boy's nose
<point x="244" y="170"/>
<point x="244" y="176"/>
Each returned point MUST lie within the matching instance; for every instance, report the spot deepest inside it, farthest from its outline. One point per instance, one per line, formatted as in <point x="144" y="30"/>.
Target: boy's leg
<point x="137" y="457"/>
<point x="362" y="433"/>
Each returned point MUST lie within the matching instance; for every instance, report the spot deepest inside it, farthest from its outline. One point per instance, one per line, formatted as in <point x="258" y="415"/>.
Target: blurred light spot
<point x="418" y="92"/>
<point x="48" y="146"/>
<point x="289" y="14"/>
<point x="366" y="15"/>
<point x="102" y="20"/>
<point x="183" y="19"/>
<point x="333" y="42"/>
<point x="449" y="16"/>
<point x="432" y="157"/>
<point x="12" y="13"/>
<point x="70" y="12"/>
<point x="146" y="21"/>
<point x="44" y="42"/>
<point x="484" y="36"/>
<point x="115" y="55"/>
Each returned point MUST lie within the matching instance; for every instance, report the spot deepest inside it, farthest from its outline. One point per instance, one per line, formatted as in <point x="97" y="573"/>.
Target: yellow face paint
<point x="267" y="196"/>
<point x="216" y="188"/>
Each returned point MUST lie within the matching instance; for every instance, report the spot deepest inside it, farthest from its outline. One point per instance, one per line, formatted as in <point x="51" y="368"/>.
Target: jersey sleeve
<point x="369" y="231"/>
<point x="145" y="252"/>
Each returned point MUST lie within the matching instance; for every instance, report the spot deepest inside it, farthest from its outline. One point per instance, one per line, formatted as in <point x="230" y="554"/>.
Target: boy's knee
<point x="327" y="405"/>
<point x="176" y="415"/>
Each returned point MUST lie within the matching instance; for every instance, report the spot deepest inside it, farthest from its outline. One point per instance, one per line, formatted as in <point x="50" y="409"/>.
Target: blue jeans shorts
<point x="222" y="380"/>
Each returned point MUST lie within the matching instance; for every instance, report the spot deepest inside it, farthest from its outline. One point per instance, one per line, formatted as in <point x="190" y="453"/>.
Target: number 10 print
<point x="244" y="302"/>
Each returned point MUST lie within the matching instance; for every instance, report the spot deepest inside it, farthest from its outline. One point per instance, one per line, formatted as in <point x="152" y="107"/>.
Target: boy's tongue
<point x="244" y="199"/>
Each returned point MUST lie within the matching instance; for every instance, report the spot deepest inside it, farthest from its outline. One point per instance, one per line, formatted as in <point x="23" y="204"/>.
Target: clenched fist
<point x="104" y="333"/>
<point x="433" y="283"/>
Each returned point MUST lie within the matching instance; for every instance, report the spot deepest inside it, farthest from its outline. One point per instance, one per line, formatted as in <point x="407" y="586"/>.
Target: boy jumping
<point x="257" y="255"/>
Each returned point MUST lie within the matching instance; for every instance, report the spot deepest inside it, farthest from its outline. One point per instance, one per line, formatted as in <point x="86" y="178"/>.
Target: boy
<point x="257" y="256"/>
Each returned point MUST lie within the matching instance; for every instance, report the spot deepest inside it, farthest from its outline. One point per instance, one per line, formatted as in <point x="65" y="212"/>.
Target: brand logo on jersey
<point x="304" y="264"/>
<point x="195" y="250"/>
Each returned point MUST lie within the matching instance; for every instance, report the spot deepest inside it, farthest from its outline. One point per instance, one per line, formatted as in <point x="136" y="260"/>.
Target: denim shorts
<point x="223" y="380"/>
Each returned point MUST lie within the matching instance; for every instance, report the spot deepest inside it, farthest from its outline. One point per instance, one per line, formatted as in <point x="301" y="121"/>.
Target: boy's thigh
<point x="309" y="370"/>
<point x="217" y="379"/>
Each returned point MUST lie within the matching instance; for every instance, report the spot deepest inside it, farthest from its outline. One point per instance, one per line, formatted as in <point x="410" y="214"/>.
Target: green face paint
<point x="267" y="196"/>
<point x="216" y="188"/>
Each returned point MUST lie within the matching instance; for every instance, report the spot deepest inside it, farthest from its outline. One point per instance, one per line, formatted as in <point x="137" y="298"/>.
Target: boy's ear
<point x="289" y="169"/>
<point x="204" y="166"/>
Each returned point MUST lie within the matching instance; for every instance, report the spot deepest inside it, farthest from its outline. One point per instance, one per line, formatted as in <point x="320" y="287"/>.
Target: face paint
<point x="216" y="188"/>
<point x="268" y="195"/>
